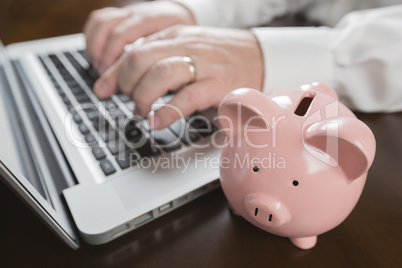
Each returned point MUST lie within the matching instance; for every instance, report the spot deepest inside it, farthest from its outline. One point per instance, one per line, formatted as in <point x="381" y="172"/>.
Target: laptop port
<point x="200" y="191"/>
<point x="165" y="207"/>
<point x="183" y="199"/>
<point x="119" y="231"/>
<point x="143" y="218"/>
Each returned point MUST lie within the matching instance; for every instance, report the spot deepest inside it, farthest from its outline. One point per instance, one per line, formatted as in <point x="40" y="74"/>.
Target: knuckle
<point x="136" y="56"/>
<point x="117" y="34"/>
<point x="94" y="15"/>
<point x="177" y="30"/>
<point x="102" y="16"/>
<point x="97" y="16"/>
<point x="163" y="69"/>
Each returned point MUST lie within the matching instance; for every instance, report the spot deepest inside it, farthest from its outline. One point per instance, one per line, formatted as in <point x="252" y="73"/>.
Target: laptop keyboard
<point x="118" y="139"/>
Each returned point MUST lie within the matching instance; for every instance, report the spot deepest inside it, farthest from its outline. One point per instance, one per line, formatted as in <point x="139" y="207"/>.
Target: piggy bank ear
<point x="320" y="88"/>
<point x="347" y="141"/>
<point x="243" y="107"/>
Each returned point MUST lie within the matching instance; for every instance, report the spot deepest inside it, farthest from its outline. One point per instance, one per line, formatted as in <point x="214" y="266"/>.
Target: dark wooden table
<point x="203" y="233"/>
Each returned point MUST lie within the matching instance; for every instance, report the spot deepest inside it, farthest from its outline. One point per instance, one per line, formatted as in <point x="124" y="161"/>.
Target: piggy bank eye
<point x="295" y="183"/>
<point x="256" y="169"/>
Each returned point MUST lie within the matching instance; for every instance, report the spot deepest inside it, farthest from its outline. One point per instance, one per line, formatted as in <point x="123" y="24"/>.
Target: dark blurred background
<point x="48" y="18"/>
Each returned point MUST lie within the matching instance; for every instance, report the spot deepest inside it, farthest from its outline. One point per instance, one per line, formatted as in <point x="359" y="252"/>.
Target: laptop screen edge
<point x="52" y="215"/>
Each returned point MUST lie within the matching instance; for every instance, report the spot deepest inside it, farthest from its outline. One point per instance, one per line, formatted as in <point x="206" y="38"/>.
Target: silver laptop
<point x="87" y="164"/>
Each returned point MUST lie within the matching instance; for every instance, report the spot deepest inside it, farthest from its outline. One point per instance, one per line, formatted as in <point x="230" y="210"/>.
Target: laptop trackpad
<point x="156" y="187"/>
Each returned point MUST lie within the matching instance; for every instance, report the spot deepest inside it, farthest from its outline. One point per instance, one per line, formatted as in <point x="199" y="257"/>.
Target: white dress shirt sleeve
<point x="361" y="58"/>
<point x="237" y="13"/>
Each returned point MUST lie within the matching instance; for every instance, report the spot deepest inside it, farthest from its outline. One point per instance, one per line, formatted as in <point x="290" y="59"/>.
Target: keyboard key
<point x="77" y="90"/>
<point x="123" y="97"/>
<point x="82" y="52"/>
<point x="130" y="106"/>
<point x="108" y="134"/>
<point x="145" y="125"/>
<point x="127" y="160"/>
<point x="90" y="82"/>
<point x="69" y="106"/>
<point x="132" y="133"/>
<point x="137" y="140"/>
<point x="65" y="99"/>
<point x="107" y="167"/>
<point x="109" y="103"/>
<point x="92" y="72"/>
<point x="116" y="112"/>
<point x="77" y="66"/>
<point x="70" y="81"/>
<point x="83" y="98"/>
<point x="77" y="118"/>
<point x="90" y="139"/>
<point x="96" y="124"/>
<point x="147" y="149"/>
<point x="83" y="128"/>
<point x="59" y="89"/>
<point x="121" y="122"/>
<point x="166" y="139"/>
<point x="100" y="124"/>
<point x="202" y="125"/>
<point x="183" y="131"/>
<point x="116" y="146"/>
<point x="93" y="115"/>
<point x="98" y="153"/>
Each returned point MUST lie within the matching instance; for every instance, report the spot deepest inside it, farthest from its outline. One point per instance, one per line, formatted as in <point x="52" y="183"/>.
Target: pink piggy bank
<point x="295" y="162"/>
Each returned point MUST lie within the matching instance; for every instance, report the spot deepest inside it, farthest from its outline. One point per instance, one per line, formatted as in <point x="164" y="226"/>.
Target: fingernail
<point x="155" y="121"/>
<point x="102" y="89"/>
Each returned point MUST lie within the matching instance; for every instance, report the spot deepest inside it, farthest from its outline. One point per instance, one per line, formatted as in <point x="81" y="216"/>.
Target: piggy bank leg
<point x="304" y="242"/>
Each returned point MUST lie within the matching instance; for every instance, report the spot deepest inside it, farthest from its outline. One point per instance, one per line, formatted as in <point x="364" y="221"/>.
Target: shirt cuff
<point x="294" y="56"/>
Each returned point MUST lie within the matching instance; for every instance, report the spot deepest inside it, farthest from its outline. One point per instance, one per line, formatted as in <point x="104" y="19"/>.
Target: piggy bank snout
<point x="266" y="210"/>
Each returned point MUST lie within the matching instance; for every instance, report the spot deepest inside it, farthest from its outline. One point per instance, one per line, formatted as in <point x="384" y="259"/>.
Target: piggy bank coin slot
<point x="270" y="218"/>
<point x="303" y="106"/>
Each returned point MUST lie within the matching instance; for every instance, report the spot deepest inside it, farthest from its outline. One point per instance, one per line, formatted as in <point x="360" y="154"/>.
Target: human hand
<point x="225" y="59"/>
<point x="108" y="30"/>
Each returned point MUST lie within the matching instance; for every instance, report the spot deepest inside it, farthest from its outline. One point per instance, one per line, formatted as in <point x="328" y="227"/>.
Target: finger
<point x="167" y="74"/>
<point x="107" y="84"/>
<point x="195" y="97"/>
<point x="138" y="61"/>
<point x="173" y="32"/>
<point x="98" y="29"/>
<point x="125" y="33"/>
